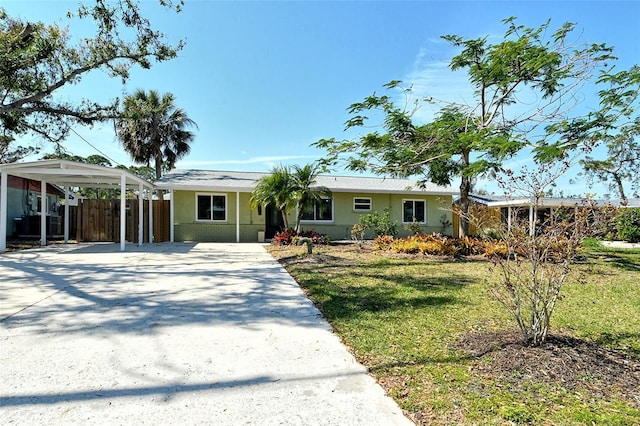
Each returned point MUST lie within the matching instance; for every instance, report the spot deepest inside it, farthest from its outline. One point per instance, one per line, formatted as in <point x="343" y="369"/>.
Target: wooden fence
<point x="99" y="220"/>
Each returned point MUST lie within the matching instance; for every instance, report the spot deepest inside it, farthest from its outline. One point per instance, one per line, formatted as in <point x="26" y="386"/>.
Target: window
<point x="414" y="211"/>
<point x="362" y="204"/>
<point x="211" y="207"/>
<point x="319" y="211"/>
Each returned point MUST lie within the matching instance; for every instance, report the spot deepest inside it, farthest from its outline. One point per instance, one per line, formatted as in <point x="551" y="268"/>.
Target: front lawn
<point x="448" y="354"/>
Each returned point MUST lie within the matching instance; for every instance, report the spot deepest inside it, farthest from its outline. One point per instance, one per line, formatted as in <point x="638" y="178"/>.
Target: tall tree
<point x="151" y="127"/>
<point x="521" y="84"/>
<point x="621" y="101"/>
<point x="37" y="60"/>
<point x="622" y="164"/>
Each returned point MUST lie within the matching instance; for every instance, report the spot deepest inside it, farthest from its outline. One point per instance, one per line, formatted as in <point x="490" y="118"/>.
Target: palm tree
<point x="151" y="127"/>
<point x="305" y="193"/>
<point x="285" y="188"/>
<point x="276" y="188"/>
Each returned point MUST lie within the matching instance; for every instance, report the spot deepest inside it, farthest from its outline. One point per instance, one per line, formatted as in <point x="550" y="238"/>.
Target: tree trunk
<point x="465" y="190"/>
<point x="285" y="221"/>
<point x="158" y="161"/>
<point x="623" y="198"/>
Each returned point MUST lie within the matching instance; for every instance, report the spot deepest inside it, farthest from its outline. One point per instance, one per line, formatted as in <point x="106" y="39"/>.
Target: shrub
<point x="383" y="242"/>
<point x="431" y="244"/>
<point x="357" y="233"/>
<point x="381" y="224"/>
<point x="495" y="248"/>
<point x="283" y="238"/>
<point x="316" y="237"/>
<point x="628" y="225"/>
<point x="289" y="236"/>
<point x="414" y="227"/>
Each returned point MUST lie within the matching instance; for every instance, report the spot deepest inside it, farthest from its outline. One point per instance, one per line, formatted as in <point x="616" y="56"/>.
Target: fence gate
<point x="99" y="220"/>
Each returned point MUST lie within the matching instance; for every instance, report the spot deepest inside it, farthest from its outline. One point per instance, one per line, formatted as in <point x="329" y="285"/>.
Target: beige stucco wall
<point x="187" y="228"/>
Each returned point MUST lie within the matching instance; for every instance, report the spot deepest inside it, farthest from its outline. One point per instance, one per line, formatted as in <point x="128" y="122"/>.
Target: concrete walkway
<point x="188" y="334"/>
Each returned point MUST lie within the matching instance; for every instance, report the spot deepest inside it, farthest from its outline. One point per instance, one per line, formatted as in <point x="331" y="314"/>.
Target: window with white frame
<point x="212" y="207"/>
<point x="319" y="211"/>
<point x="414" y="211"/>
<point x="362" y="204"/>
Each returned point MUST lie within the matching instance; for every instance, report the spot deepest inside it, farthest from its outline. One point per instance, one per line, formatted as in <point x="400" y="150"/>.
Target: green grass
<point x="400" y="316"/>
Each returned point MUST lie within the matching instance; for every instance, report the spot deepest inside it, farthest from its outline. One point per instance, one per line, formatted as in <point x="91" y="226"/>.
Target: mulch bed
<point x="561" y="360"/>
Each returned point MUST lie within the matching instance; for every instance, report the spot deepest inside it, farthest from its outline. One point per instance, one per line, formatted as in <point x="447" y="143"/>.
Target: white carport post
<point x="237" y="217"/>
<point x="140" y="213"/>
<point x="151" y="215"/>
<point x="532" y="221"/>
<point x="123" y="216"/>
<point x="171" y="215"/>
<point x="43" y="212"/>
<point x="3" y="211"/>
<point x="66" y="214"/>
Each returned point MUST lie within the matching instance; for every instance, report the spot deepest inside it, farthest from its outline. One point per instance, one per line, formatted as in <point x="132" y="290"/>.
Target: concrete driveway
<point x="207" y="334"/>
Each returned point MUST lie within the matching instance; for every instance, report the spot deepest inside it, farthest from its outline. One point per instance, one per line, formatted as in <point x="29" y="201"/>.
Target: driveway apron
<point x="207" y="334"/>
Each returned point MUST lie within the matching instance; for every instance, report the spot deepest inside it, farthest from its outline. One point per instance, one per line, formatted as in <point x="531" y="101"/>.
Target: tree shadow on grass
<point x="342" y="301"/>
<point x="620" y="340"/>
<point x="626" y="263"/>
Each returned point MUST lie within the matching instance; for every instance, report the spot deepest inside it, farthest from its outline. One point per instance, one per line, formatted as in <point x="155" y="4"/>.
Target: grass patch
<point x="405" y="316"/>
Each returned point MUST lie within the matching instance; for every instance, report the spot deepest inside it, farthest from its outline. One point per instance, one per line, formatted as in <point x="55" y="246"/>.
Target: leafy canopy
<point x="152" y="127"/>
<point x="37" y="60"/>
<point x="524" y="90"/>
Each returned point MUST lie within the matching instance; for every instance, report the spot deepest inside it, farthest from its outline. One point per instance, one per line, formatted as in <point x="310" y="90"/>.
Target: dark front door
<point x="274" y="222"/>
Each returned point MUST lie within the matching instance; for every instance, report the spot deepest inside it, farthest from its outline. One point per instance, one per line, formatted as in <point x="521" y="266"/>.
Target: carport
<point x="71" y="174"/>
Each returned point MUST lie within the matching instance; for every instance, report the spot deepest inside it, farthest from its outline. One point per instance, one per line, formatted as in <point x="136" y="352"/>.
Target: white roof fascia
<point x="73" y="173"/>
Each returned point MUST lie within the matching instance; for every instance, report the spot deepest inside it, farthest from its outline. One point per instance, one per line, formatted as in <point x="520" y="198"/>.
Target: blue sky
<point x="264" y="80"/>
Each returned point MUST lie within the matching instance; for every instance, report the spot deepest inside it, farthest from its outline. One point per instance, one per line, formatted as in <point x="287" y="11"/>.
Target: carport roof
<point x="72" y="173"/>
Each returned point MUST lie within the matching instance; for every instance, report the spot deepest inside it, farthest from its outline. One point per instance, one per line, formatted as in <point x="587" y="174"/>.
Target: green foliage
<point x="467" y="141"/>
<point x="286" y="187"/>
<point x="592" y="243"/>
<point x="151" y="127"/>
<point x="357" y="233"/>
<point x="622" y="164"/>
<point x="381" y="224"/>
<point x="629" y="225"/>
<point x="38" y="60"/>
<point x="277" y="188"/>
<point x="414" y="227"/>
<point x="305" y="192"/>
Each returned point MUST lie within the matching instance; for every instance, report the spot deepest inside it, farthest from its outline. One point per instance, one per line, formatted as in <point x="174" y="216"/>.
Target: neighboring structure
<point x="505" y="209"/>
<point x="211" y="205"/>
<point x="24" y="202"/>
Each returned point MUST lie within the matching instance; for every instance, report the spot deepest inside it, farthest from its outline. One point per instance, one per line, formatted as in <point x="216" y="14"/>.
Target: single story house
<point x="209" y="205"/>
